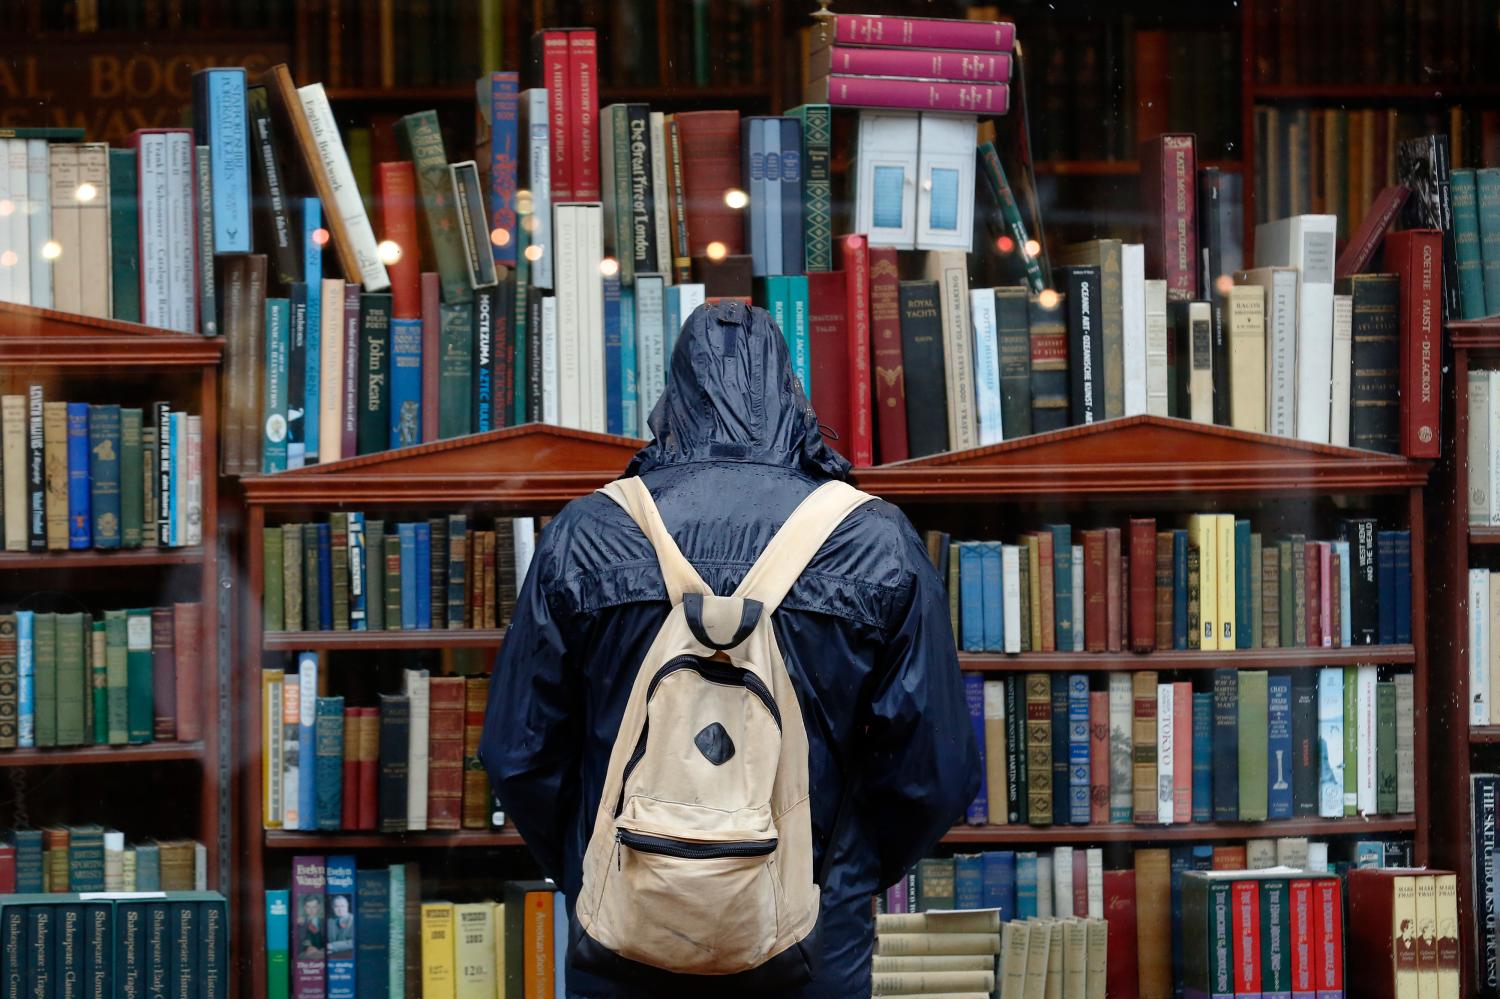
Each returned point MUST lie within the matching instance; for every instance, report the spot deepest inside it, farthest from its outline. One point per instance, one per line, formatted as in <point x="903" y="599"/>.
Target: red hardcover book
<point x="1226" y="858"/>
<point x="432" y="348"/>
<point x="1080" y="883"/>
<point x="1328" y="938"/>
<point x="855" y="254"/>
<point x="916" y="95"/>
<point x="1125" y="597"/>
<point x="828" y="336"/>
<point x="1182" y="751"/>
<point x="396" y="195"/>
<point x="1099" y="757"/>
<point x="7" y="869"/>
<point x="1360" y="249"/>
<point x="187" y="642"/>
<point x="445" y="748"/>
<point x="348" y="445"/>
<point x="1326" y="596"/>
<point x="550" y="53"/>
<point x="1113" y="605"/>
<point x="1302" y="925"/>
<point x="349" y="800"/>
<point x="1095" y="588"/>
<point x="163" y="676"/>
<point x="931" y="32"/>
<point x="1119" y="913"/>
<point x="1142" y="589"/>
<point x="368" y="768"/>
<point x="885" y="352"/>
<point x="583" y="112"/>
<point x="1169" y="205"/>
<point x="979" y="67"/>
<point x="1314" y="616"/>
<point x="710" y="143"/>
<point x="1244" y="904"/>
<point x="1384" y="932"/>
<point x="1416" y="255"/>
<point x="1336" y="610"/>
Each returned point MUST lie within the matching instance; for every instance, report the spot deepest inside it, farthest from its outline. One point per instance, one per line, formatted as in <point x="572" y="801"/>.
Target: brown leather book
<point x="445" y="752"/>
<point x="1314" y="595"/>
<point x="367" y="768"/>
<point x="1383" y="928"/>
<point x="1114" y="620"/>
<point x="1164" y="581"/>
<point x="476" y="810"/>
<point x="1228" y="858"/>
<point x="1336" y="616"/>
<point x="1049" y="615"/>
<point x="349" y="800"/>
<point x="163" y="676"/>
<point x="710" y="142"/>
<point x="1123" y="976"/>
<point x="1143" y="742"/>
<point x="191" y="659"/>
<point x="1270" y="597"/>
<point x="1144" y="570"/>
<point x="1153" y="923"/>
<point x="1039" y="749"/>
<point x="1095" y="591"/>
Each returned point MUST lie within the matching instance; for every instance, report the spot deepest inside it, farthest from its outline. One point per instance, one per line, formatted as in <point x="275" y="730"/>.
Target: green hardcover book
<point x="419" y="138"/>
<point x="138" y="692"/>
<point x="1463" y="190"/>
<point x="455" y="375"/>
<point x="614" y="175"/>
<point x="1351" y="739"/>
<point x="1254" y="725"/>
<point x="339" y="552"/>
<point x="1275" y="938"/>
<point x="373" y="431"/>
<point x="375" y="574"/>
<point x="86" y="858"/>
<point x="1208" y="968"/>
<point x="98" y="684"/>
<point x="116" y="677"/>
<point x="274" y="404"/>
<point x="1286" y="595"/>
<point x="104" y="474"/>
<point x="1254" y="631"/>
<point x="1385" y="747"/>
<point x="148" y="486"/>
<point x="935" y="887"/>
<point x="1014" y="337"/>
<point x="309" y="577"/>
<point x="272" y="609"/>
<point x="392" y="559"/>
<point x="817" y="184"/>
<point x="1009" y="222"/>
<point x="72" y="678"/>
<point x="291" y="576"/>
<point x="132" y="483"/>
<point x="1487" y="182"/>
<point x="44" y="678"/>
<point x="124" y="237"/>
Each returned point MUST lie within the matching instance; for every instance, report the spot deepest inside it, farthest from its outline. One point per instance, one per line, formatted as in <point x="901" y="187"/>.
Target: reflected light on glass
<point x="1033" y="247"/>
<point x="609" y="267"/>
<point x="8" y="258"/>
<point x="86" y="192"/>
<point x="528" y="222"/>
<point x="389" y="251"/>
<point x="6" y="207"/>
<point x="736" y="199"/>
<point x="1048" y="298"/>
<point x="1005" y="244"/>
<point x="52" y="249"/>
<point x="716" y="250"/>
<point x="320" y="236"/>
<point x="1223" y="283"/>
<point x="523" y="202"/>
<point x="500" y="237"/>
<point x="534" y="253"/>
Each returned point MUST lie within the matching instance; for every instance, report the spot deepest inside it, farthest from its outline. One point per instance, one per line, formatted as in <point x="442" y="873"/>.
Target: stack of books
<point x="1403" y="925"/>
<point x="1475" y="197"/>
<point x="945" y="951"/>
<point x="91" y="858"/>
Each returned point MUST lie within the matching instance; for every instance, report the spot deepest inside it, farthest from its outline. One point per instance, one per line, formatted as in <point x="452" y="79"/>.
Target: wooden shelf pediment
<point x="1142" y="454"/>
<point x="531" y="464"/>
<point x="46" y="337"/>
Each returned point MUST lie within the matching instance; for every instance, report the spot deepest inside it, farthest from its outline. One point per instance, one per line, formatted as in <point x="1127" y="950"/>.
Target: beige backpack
<point x="700" y="861"/>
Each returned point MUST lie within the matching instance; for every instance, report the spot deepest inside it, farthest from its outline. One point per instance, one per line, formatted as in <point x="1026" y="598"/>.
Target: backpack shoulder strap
<point x="676" y="571"/>
<point x="798" y="540"/>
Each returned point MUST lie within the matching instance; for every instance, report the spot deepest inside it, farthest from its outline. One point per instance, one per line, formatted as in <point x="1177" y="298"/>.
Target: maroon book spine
<point x="309" y="941"/>
<point x="551" y="49"/>
<point x="163" y="676"/>
<point x="855" y="253"/>
<point x="710" y="147"/>
<point x="368" y="768"/>
<point x="1098" y="760"/>
<point x="933" y="32"/>
<point x="1314" y="614"/>
<point x="916" y="95"/>
<point x="348" y="446"/>
<point x="1143" y="595"/>
<point x="583" y="114"/>
<point x="1416" y="255"/>
<point x="827" y="327"/>
<point x="1095" y="591"/>
<point x="978" y="67"/>
<point x="1120" y="950"/>
<point x="396" y="194"/>
<point x="1168" y="191"/>
<point x="349" y="800"/>
<point x="1371" y="232"/>
<point x="187" y="640"/>
<point x="1113" y="618"/>
<point x="432" y="361"/>
<point x="885" y="349"/>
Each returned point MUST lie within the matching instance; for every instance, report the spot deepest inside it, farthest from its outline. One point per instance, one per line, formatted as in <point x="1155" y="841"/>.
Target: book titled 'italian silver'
<point x="348" y="204"/>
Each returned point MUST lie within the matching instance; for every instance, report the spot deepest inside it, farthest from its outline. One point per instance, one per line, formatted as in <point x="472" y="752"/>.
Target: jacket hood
<point x="731" y="396"/>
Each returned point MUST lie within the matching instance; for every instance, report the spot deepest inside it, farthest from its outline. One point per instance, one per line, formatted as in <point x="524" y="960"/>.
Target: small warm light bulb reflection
<point x="500" y="237"/>
<point x="389" y="251"/>
<point x="86" y="192"/>
<point x="1005" y="244"/>
<point x="716" y="250"/>
<point x="8" y="258"/>
<point x="1223" y="283"/>
<point x="523" y="202"/>
<point x="51" y="249"/>
<point x="7" y="206"/>
<point x="529" y="223"/>
<point x="1032" y="247"/>
<point x="736" y="199"/>
<point x="320" y="236"/>
<point x="609" y="267"/>
<point x="534" y="252"/>
<point x="1048" y="298"/>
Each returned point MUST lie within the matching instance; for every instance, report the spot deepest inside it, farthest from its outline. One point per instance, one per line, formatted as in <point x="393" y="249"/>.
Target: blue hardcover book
<point x="274" y="405"/>
<point x="1402" y="586"/>
<point x="340" y="935"/>
<point x="223" y="126"/>
<point x="182" y="948"/>
<point x="99" y="950"/>
<point x="1062" y="795"/>
<point x="968" y="881"/>
<point x="801" y="337"/>
<point x="68" y="956"/>
<point x="1062" y="584"/>
<point x="499" y="100"/>
<point x="408" y="535"/>
<point x="999" y="890"/>
<point x="41" y="938"/>
<point x="325" y="577"/>
<point x="13" y="947"/>
<point x="131" y="918"/>
<point x="1346" y="622"/>
<point x="672" y="306"/>
<point x="104" y="475"/>
<point x="424" y="573"/>
<point x="629" y="406"/>
<point x="406" y="383"/>
<point x="1078" y="749"/>
<point x="25" y="682"/>
<point x="148" y="867"/>
<point x="328" y="729"/>
<point x="159" y="963"/>
<point x="1026" y="875"/>
<point x="80" y="520"/>
<point x="792" y="258"/>
<point x="312" y="276"/>
<point x="296" y="376"/>
<point x="213" y="946"/>
<point x="307" y="747"/>
<point x="614" y="414"/>
<point x="1226" y="745"/>
<point x="278" y="938"/>
<point x="1331" y="742"/>
<point x="372" y="930"/>
<point x="970" y="596"/>
<point x="1385" y="575"/>
<point x="993" y="596"/>
<point x="28" y="860"/>
<point x="358" y="599"/>
<point x="1279" y="746"/>
<point x="1244" y="633"/>
<point x="978" y="812"/>
<point x="559" y="954"/>
<point x="753" y="170"/>
<point x="1369" y="853"/>
<point x="771" y="207"/>
<point x="1179" y="588"/>
<point x="1203" y="757"/>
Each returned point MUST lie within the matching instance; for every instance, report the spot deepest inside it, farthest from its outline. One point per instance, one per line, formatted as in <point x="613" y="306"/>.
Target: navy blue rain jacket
<point x="865" y="634"/>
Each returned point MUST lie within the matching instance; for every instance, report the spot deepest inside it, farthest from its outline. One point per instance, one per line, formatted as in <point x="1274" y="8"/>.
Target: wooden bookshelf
<point x="1179" y="832"/>
<point x="332" y="841"/>
<point x="150" y="752"/>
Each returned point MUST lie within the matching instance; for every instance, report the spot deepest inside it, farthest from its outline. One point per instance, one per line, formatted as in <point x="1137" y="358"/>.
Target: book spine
<point x="879" y="29"/>
<point x="420" y="139"/>
<point x="978" y="67"/>
<point x="1464" y="191"/>
<point x="1079" y="810"/>
<point x="817" y="195"/>
<point x="124" y="239"/>
<point x="396" y="194"/>
<point x="204" y="275"/>
<point x="855" y="254"/>
<point x="582" y="114"/>
<point x="1419" y="262"/>
<point x="270" y="195"/>
<point x="309" y="971"/>
<point x="792" y="249"/>
<point x="227" y="135"/>
<point x="1039" y="749"/>
<point x="503" y="157"/>
<point x="373" y="421"/>
<point x="274" y="451"/>
<point x="473" y="234"/>
<point x="1169" y="170"/>
<point x="677" y="203"/>
<point x="920" y="95"/>
<point x="1487" y="189"/>
<point x="354" y="236"/>
<point x="405" y="359"/>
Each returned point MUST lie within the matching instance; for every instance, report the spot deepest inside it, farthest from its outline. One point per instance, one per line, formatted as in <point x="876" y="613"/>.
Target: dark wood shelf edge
<point x="1481" y="535"/>
<point x="151" y="752"/>
<point x="1484" y="735"/>
<point x="426" y="638"/>
<point x="93" y="558"/>
<point x="327" y="841"/>
<point x="1121" y="833"/>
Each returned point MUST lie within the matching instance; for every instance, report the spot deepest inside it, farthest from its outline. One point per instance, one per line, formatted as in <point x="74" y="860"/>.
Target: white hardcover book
<point x="1157" y="387"/>
<point x="986" y="365"/>
<point x="12" y="220"/>
<point x="1479" y="447"/>
<point x="591" y="331"/>
<point x="950" y="269"/>
<point x="885" y="178"/>
<point x="1343" y="370"/>
<point x="945" y="181"/>
<point x="1246" y="316"/>
<point x="523" y="533"/>
<point x="114" y="860"/>
<point x="1479" y="658"/>
<point x="1062" y="882"/>
<point x="349" y="206"/>
<point x="1280" y="284"/>
<point x="661" y="194"/>
<point x="307" y="720"/>
<point x="1197" y="365"/>
<point x="550" y="411"/>
<point x="416" y="687"/>
<point x="1365" y="677"/>
<point x="1306" y="242"/>
<point x="1010" y="570"/>
<point x="1406" y="755"/>
<point x="182" y="234"/>
<point x="689" y="297"/>
<point x="18" y="240"/>
<point x="1164" y="754"/>
<point x="1077" y="593"/>
<point x="1133" y="315"/>
<point x="650" y="344"/>
<point x="1044" y="902"/>
<point x="156" y="288"/>
<point x="1121" y="761"/>
<point x="1492" y="647"/>
<point x="331" y="371"/>
<point x="39" y="221"/>
<point x="1317" y="856"/>
<point x="537" y="179"/>
<point x="1094" y="858"/>
<point x="1493" y="422"/>
<point x="570" y="362"/>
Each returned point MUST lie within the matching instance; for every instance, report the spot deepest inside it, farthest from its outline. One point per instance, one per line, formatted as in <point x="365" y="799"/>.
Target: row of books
<point x="90" y="858"/>
<point x="78" y="476"/>
<point x="1331" y="742"/>
<point x="398" y="46"/>
<point x="356" y="574"/>
<point x="977" y="952"/>
<point x="101" y="944"/>
<point x="1403" y="927"/>
<point x="1475" y="195"/>
<point x="411" y="764"/>
<point x="1484" y="646"/>
<point x="127" y="677"/>
<point x="1214" y="585"/>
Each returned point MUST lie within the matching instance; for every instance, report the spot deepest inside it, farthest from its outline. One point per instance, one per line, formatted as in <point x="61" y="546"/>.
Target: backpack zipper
<point x="667" y="847"/>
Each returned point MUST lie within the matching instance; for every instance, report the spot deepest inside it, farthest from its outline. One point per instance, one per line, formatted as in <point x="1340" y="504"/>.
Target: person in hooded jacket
<point x="865" y="634"/>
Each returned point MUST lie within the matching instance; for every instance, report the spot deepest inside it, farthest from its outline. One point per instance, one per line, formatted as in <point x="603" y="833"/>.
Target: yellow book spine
<point x="1225" y="544"/>
<point x="474" y="950"/>
<point x="271" y="683"/>
<point x="1403" y="922"/>
<point x="1202" y="531"/>
<point x="499" y="920"/>
<point x="438" y="976"/>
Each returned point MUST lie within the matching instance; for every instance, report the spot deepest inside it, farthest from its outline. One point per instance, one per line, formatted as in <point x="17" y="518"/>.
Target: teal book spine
<point x="130" y="948"/>
<point x="182" y="943"/>
<point x="147" y="867"/>
<point x="629" y="401"/>
<point x="99" y="688"/>
<point x="296" y="376"/>
<point x="800" y="335"/>
<point x="138" y="694"/>
<point x="419" y="138"/>
<point x="70" y="966"/>
<point x="1463" y="191"/>
<point x="1487" y="184"/>
<point x="28" y="860"/>
<point x="341" y="932"/>
<point x="99" y="954"/>
<point x="455" y="376"/>
<point x="80" y="516"/>
<point x="396" y="941"/>
<point x="104" y="474"/>
<point x="13" y="948"/>
<point x="25" y="680"/>
<point x="1062" y="584"/>
<point x="132" y="485"/>
<point x="817" y="184"/>
<point x="1203" y="757"/>
<point x="222" y="123"/>
<point x="405" y="410"/>
<point x="158" y="949"/>
<point x="328" y="739"/>
<point x="274" y="406"/>
<point x="278" y="944"/>
<point x="1244" y="634"/>
<point x="41" y="930"/>
<point x="86" y="858"/>
<point x="124" y="237"/>
<point x="1010" y="223"/>
<point x="213" y="947"/>
<point x="372" y="930"/>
